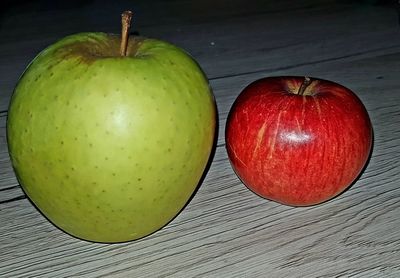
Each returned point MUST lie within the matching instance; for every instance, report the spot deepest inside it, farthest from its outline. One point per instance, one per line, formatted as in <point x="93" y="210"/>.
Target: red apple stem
<point x="306" y="82"/>
<point x="126" y="18"/>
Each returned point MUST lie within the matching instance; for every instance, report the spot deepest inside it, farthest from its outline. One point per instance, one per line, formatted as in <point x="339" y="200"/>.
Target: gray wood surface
<point x="226" y="230"/>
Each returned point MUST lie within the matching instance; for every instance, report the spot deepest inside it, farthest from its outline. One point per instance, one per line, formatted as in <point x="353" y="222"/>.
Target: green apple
<point x="110" y="146"/>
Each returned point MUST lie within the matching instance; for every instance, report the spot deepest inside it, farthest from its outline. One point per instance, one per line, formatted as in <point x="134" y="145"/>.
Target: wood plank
<point x="278" y="40"/>
<point x="227" y="231"/>
<point x="231" y="227"/>
<point x="21" y="20"/>
<point x="9" y="187"/>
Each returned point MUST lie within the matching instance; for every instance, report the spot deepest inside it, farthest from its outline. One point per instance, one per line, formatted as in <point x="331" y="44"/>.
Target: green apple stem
<point x="126" y="18"/>
<point x="306" y="82"/>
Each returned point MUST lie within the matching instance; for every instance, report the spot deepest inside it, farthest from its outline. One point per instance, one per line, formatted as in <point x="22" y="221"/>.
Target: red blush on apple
<point x="296" y="140"/>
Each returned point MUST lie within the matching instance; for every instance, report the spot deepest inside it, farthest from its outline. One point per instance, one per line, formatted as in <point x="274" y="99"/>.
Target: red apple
<point x="298" y="141"/>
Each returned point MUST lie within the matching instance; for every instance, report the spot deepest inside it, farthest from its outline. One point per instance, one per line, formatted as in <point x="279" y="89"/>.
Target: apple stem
<point x="306" y="82"/>
<point x="126" y="18"/>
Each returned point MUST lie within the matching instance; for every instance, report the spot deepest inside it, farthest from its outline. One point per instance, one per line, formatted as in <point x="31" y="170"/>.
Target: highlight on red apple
<point x="296" y="140"/>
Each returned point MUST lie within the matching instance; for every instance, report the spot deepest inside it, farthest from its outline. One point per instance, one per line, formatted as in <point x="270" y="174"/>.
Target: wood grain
<point x="226" y="230"/>
<point x="229" y="49"/>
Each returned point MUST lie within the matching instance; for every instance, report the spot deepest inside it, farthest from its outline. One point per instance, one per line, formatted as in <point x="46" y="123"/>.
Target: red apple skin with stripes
<point x="298" y="141"/>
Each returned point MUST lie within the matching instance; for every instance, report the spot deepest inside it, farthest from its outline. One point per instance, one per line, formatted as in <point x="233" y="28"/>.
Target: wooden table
<point x="226" y="230"/>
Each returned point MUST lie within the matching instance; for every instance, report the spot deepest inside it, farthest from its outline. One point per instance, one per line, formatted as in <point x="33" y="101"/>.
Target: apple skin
<point x="111" y="148"/>
<point x="298" y="150"/>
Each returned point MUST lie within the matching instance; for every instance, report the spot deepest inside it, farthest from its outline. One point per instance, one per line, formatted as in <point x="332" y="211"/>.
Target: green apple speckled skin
<point x="110" y="148"/>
